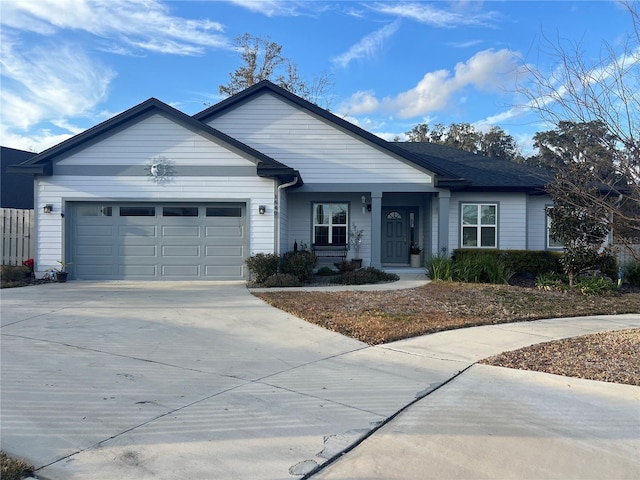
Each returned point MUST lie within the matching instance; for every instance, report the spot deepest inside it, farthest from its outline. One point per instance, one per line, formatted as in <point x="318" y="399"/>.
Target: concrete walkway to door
<point x="199" y="380"/>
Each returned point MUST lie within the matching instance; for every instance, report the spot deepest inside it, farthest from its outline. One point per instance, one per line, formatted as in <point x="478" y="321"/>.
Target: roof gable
<point x="42" y="164"/>
<point x="260" y="88"/>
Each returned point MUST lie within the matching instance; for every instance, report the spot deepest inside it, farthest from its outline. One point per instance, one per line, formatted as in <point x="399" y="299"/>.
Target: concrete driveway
<point x="200" y="380"/>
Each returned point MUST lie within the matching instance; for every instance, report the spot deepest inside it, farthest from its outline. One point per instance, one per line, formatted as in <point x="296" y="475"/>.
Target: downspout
<point x="280" y="187"/>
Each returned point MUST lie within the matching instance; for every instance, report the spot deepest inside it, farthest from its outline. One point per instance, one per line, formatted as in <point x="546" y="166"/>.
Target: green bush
<point x="534" y="262"/>
<point x="440" y="268"/>
<point x="263" y="265"/>
<point x="326" y="271"/>
<point x="607" y="263"/>
<point x="14" y="273"/>
<point x="299" y="264"/>
<point x="364" y="276"/>
<point x="595" y="286"/>
<point x="481" y="267"/>
<point x="631" y="272"/>
<point x="345" y="266"/>
<point x="282" y="280"/>
<point x="551" y="281"/>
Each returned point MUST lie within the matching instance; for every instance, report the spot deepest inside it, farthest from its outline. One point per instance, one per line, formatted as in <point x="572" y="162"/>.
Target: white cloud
<point x="145" y="25"/>
<point x="437" y="17"/>
<point x="467" y="44"/>
<point x="270" y="8"/>
<point x="487" y="70"/>
<point x="368" y="46"/>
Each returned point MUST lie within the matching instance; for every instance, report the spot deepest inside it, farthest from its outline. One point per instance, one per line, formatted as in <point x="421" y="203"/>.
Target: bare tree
<point x="604" y="91"/>
<point x="262" y="59"/>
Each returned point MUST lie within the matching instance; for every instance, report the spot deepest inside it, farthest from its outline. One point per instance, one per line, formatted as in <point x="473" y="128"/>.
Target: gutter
<point x="280" y="188"/>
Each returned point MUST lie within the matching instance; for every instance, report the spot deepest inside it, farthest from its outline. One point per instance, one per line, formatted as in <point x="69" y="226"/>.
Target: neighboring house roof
<point x="483" y="173"/>
<point x="42" y="164"/>
<point x="17" y="190"/>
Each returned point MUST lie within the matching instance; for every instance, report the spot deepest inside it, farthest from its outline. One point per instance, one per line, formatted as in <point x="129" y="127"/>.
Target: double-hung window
<point x="330" y="223"/>
<point x="479" y="225"/>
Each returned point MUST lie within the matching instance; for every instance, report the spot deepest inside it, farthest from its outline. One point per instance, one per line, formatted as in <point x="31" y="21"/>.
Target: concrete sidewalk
<point x="167" y="380"/>
<point x="500" y="423"/>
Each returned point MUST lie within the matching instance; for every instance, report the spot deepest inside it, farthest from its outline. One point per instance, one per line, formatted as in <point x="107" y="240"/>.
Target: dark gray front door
<point x="395" y="246"/>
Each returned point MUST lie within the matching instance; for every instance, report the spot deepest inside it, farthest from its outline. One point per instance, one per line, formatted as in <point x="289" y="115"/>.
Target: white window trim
<point x="330" y="224"/>
<point x="559" y="246"/>
<point x="479" y="225"/>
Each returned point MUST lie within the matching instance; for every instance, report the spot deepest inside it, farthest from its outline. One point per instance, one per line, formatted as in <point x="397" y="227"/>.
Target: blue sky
<point x="67" y="65"/>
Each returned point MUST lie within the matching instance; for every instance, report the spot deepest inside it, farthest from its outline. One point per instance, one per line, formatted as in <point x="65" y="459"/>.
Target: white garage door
<point x="158" y="241"/>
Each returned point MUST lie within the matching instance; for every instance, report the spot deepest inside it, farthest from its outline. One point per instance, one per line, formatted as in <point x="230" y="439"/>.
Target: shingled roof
<point x="482" y="173"/>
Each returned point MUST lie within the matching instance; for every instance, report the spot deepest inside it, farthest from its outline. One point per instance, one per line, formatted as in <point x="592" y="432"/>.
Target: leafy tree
<point x="498" y="143"/>
<point x="577" y="223"/>
<point x="495" y="143"/>
<point x="600" y="93"/>
<point x="263" y="60"/>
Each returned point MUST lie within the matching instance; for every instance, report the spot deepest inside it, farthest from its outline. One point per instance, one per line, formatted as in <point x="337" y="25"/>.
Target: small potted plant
<point x="355" y="240"/>
<point x="61" y="273"/>
<point x="414" y="255"/>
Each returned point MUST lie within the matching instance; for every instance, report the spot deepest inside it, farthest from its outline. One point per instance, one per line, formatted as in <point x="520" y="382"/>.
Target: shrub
<point x="551" y="281"/>
<point x="14" y="468"/>
<point x="632" y="272"/>
<point x="595" y="286"/>
<point x="533" y="262"/>
<point x="326" y="271"/>
<point x="481" y="267"/>
<point x="607" y="263"/>
<point x="364" y="276"/>
<point x="440" y="268"/>
<point x="14" y="273"/>
<point x="345" y="266"/>
<point x="282" y="280"/>
<point x="263" y="265"/>
<point x="299" y="264"/>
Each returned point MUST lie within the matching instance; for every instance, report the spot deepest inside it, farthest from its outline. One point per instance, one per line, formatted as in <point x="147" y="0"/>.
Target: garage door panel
<point x="137" y="251"/>
<point x="169" y="244"/>
<point x="231" y="232"/>
<point x="180" y="231"/>
<point x="137" y="231"/>
<point x="223" y="272"/>
<point x="94" y="231"/>
<point x="96" y="269"/>
<point x="181" y="251"/>
<point x="224" y="251"/>
<point x="180" y="271"/>
<point x="130" y="270"/>
<point x="88" y="251"/>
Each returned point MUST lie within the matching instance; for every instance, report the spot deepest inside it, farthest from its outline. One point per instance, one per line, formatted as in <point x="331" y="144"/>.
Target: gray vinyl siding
<point x="537" y="222"/>
<point x="322" y="152"/>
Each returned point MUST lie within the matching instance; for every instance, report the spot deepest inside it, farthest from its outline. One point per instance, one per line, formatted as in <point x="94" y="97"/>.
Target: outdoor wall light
<point x="363" y="199"/>
<point x="262" y="209"/>
<point x="48" y="208"/>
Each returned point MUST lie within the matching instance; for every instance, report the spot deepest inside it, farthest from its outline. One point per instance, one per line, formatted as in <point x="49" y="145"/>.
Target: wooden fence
<point x="18" y="235"/>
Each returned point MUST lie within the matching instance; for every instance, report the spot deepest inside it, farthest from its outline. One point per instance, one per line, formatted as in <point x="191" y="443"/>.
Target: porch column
<point x="443" y="223"/>
<point x="376" y="228"/>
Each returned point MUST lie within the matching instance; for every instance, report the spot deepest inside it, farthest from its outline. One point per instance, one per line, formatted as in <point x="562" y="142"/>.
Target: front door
<point x="395" y="238"/>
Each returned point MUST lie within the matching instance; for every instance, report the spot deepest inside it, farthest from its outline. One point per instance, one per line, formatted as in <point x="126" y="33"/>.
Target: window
<point x="224" y="211"/>
<point x="479" y="225"/>
<point x="180" y="211"/>
<point x="138" y="211"/>
<point x="94" y="211"/>
<point x="551" y="242"/>
<point x="330" y="223"/>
